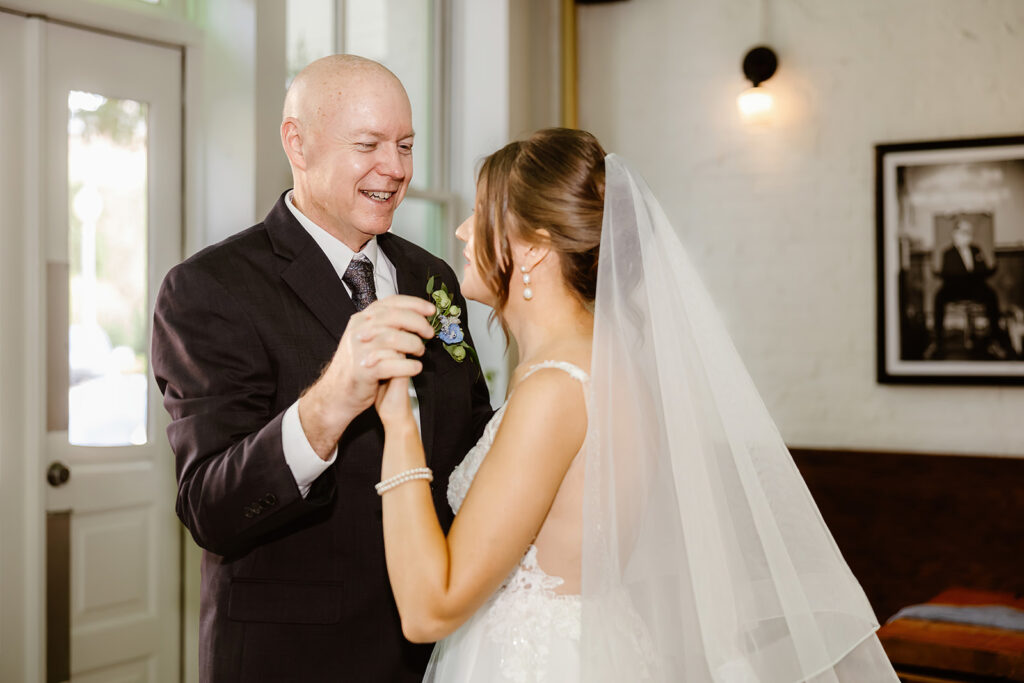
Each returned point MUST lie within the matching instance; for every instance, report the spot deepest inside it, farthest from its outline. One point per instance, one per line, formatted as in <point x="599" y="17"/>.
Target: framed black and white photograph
<point x="950" y="220"/>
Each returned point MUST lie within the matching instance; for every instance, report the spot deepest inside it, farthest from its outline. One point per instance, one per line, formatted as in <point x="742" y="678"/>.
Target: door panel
<point x="133" y="672"/>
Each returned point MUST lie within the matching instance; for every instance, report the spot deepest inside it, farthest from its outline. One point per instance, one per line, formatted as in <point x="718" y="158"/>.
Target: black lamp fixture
<point x="759" y="65"/>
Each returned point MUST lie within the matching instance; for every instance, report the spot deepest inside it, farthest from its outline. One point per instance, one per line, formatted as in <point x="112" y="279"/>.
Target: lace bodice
<point x="525" y="613"/>
<point x="462" y="476"/>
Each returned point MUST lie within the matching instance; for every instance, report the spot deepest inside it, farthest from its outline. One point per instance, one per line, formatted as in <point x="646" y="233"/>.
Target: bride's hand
<point x="392" y="403"/>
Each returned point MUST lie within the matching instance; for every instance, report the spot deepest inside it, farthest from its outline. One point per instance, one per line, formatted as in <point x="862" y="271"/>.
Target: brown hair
<point x="554" y="181"/>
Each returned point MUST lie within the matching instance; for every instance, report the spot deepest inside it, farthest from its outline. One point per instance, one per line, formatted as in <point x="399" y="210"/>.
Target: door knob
<point x="57" y="474"/>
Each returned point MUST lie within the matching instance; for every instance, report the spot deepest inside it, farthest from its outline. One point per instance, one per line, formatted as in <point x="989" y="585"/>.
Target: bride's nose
<point x="465" y="231"/>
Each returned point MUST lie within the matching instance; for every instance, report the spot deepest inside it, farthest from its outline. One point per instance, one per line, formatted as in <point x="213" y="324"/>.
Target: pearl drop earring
<point x="527" y="292"/>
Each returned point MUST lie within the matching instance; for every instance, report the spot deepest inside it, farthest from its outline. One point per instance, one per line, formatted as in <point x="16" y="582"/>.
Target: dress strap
<point x="574" y="371"/>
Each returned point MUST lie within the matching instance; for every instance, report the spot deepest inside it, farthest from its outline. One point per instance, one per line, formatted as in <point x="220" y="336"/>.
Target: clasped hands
<point x="371" y="366"/>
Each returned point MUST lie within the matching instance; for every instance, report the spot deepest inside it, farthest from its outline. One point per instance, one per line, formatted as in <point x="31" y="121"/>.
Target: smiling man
<point x="269" y="348"/>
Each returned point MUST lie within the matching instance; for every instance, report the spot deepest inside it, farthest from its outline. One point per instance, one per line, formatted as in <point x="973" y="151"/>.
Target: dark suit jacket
<point x="293" y="589"/>
<point x="957" y="280"/>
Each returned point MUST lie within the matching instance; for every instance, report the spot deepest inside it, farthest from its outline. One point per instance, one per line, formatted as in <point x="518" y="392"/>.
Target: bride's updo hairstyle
<point x="553" y="181"/>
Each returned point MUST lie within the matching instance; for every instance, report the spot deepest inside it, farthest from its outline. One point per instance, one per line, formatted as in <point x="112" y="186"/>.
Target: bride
<point x="630" y="513"/>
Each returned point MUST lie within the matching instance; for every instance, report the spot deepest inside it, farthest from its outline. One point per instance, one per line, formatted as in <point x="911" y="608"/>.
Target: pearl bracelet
<point x="402" y="477"/>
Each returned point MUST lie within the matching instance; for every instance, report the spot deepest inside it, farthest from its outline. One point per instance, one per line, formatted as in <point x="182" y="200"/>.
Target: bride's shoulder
<point x="548" y="397"/>
<point x="557" y="372"/>
<point x="574" y="370"/>
<point x="548" y="381"/>
<point x="571" y="362"/>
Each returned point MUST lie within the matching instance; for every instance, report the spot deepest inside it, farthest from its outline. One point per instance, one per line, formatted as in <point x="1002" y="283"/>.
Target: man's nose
<point x="390" y="162"/>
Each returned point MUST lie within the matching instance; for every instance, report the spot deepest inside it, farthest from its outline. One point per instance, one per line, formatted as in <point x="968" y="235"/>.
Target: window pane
<point x="421" y="221"/>
<point x="310" y="30"/>
<point x="400" y="35"/>
<point x="107" y="186"/>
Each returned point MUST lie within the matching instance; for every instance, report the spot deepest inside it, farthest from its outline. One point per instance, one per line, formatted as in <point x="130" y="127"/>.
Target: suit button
<point x="269" y="499"/>
<point x="249" y="514"/>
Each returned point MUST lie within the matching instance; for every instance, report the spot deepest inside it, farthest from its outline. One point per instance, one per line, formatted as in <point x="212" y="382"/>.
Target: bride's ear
<point x="533" y="254"/>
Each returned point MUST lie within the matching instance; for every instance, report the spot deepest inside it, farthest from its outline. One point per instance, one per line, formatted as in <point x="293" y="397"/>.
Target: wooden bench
<point x="930" y="650"/>
<point x="912" y="525"/>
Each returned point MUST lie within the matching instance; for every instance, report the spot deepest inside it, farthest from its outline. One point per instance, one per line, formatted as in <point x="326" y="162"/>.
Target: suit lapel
<point x="309" y="272"/>
<point x="409" y="271"/>
<point x="411" y="277"/>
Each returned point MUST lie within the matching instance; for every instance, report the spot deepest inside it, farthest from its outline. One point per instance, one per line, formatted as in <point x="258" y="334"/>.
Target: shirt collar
<point x="338" y="253"/>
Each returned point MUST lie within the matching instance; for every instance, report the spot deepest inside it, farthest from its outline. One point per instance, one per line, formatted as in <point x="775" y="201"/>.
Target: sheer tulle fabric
<point x="705" y="558"/>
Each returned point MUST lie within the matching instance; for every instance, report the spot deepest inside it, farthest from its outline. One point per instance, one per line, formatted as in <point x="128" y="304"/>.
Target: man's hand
<point x="373" y="349"/>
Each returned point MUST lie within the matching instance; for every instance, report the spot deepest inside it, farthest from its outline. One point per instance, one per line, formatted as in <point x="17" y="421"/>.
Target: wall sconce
<point x="758" y="66"/>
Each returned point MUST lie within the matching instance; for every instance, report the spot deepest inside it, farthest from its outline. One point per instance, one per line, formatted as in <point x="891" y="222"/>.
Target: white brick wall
<point x="780" y="218"/>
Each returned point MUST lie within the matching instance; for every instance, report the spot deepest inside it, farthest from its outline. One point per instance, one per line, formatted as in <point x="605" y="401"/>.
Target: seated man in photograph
<point x="965" y="270"/>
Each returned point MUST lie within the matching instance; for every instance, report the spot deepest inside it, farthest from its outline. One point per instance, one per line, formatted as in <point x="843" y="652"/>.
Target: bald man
<point x="268" y="348"/>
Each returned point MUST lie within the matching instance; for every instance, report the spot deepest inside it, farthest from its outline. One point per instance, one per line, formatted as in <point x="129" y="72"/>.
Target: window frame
<point x="440" y="191"/>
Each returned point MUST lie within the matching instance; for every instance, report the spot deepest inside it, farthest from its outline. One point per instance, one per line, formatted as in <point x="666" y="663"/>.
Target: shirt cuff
<point x="302" y="460"/>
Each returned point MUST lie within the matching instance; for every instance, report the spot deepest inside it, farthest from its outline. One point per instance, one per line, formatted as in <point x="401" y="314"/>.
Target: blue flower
<point x="451" y="333"/>
<point x="447" y="323"/>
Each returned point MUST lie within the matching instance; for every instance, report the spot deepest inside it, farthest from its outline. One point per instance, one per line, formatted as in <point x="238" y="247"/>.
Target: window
<point x="310" y="32"/>
<point x="108" y="154"/>
<point x="407" y="37"/>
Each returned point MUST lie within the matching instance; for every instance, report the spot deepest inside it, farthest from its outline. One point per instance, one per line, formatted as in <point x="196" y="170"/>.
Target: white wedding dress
<point x="526" y="632"/>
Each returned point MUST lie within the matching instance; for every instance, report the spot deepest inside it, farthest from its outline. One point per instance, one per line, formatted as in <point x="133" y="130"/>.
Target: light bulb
<point x="755" y="103"/>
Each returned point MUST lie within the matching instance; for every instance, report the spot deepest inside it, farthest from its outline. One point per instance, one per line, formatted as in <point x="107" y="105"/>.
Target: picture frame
<point x="950" y="261"/>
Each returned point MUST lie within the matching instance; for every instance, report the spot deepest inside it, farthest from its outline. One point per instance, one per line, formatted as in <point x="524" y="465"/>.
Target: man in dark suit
<point x="269" y="348"/>
<point x="964" y="273"/>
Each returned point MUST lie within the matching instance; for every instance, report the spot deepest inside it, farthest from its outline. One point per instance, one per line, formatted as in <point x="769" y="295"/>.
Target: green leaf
<point x="430" y="285"/>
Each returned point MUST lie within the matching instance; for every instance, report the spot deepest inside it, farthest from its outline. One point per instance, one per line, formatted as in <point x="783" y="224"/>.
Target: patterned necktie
<point x="359" y="278"/>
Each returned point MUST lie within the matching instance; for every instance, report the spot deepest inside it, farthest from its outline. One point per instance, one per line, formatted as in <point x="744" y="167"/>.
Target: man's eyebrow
<point x="369" y="132"/>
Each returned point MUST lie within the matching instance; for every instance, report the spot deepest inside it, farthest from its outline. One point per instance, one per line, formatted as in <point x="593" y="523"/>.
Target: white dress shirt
<point x="302" y="460"/>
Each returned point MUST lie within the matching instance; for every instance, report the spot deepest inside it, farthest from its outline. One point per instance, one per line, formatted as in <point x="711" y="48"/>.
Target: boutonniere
<point x="447" y="325"/>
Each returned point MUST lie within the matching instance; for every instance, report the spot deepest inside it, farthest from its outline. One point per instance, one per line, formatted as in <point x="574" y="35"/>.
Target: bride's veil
<point x="704" y="556"/>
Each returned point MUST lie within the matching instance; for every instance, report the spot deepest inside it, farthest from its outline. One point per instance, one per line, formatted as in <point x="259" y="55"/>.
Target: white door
<point x="100" y="143"/>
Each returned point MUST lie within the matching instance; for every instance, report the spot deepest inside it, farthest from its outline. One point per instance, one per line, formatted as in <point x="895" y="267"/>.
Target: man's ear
<point x="291" y="140"/>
